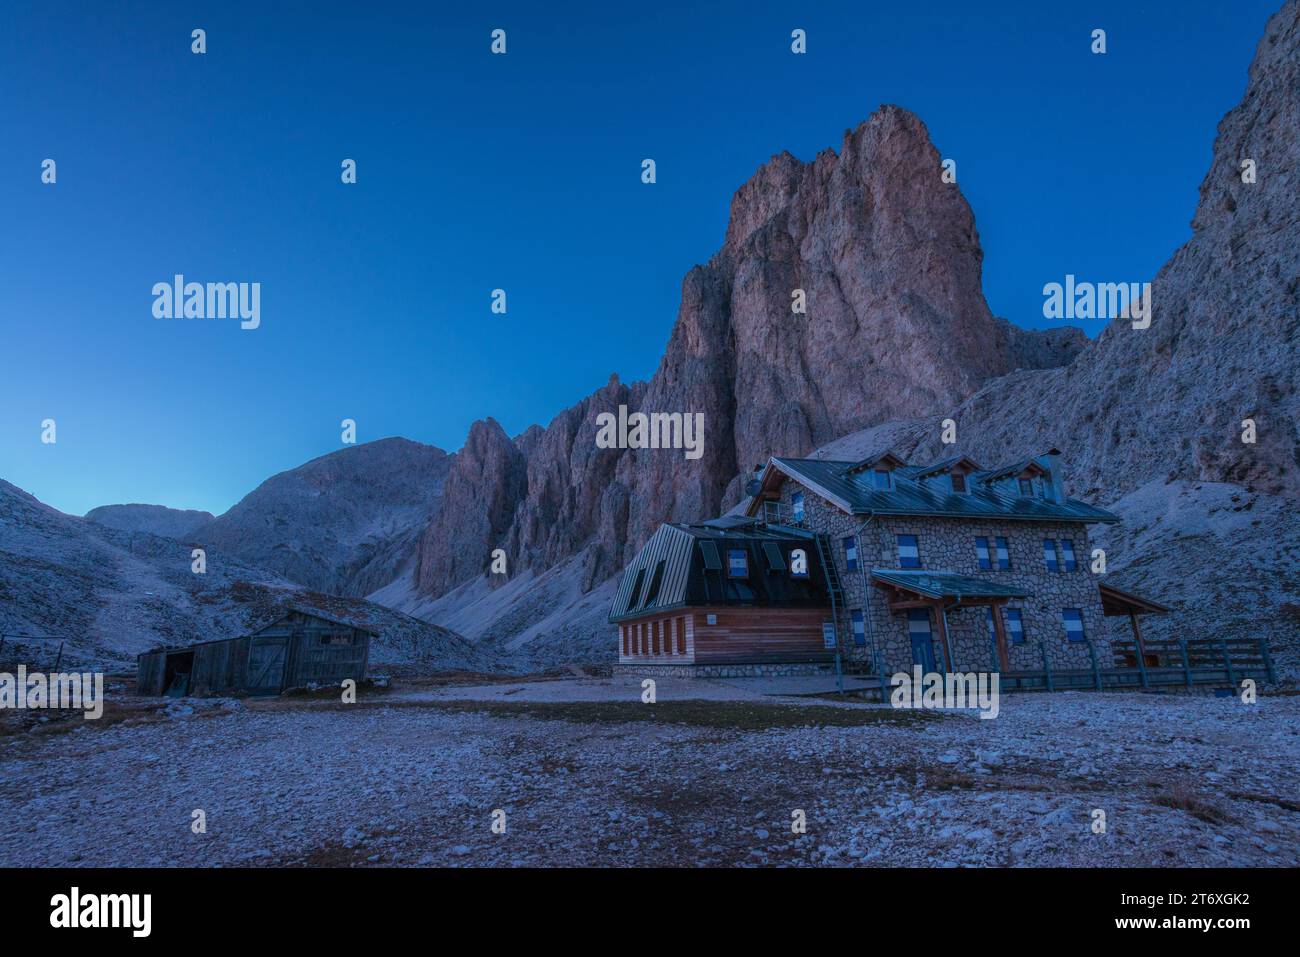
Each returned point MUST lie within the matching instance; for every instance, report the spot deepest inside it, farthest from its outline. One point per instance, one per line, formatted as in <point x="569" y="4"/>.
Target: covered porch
<point x="1115" y="604"/>
<point x="942" y="592"/>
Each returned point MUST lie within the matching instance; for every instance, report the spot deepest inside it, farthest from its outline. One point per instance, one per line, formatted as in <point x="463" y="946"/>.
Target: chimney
<point x="1051" y="460"/>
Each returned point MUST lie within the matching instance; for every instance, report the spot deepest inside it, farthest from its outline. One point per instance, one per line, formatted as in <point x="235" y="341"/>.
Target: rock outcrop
<point x="898" y="336"/>
<point x="1168" y="402"/>
<point x="154" y="519"/>
<point x="889" y="263"/>
<point x="486" y="479"/>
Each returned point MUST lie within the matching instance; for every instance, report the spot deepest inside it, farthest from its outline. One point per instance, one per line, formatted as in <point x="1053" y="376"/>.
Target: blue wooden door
<point x="918" y="628"/>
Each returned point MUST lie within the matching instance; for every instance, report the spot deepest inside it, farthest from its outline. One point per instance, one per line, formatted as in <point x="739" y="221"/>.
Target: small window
<point x="1015" y="625"/>
<point x="655" y="581"/>
<point x="775" y="560"/>
<point x="859" y="628"/>
<point x="796" y="506"/>
<point x="1067" y="553"/>
<point x="1026" y="488"/>
<point x="681" y="636"/>
<point x="959" y="482"/>
<point x="982" y="553"/>
<point x="711" y="560"/>
<point x="737" y="563"/>
<point x="850" y="554"/>
<point x="1049" y="555"/>
<point x="1004" y="553"/>
<point x="710" y="619"/>
<point x="882" y="479"/>
<point x="909" y="555"/>
<point x="634" y="595"/>
<point x="1072" y="618"/>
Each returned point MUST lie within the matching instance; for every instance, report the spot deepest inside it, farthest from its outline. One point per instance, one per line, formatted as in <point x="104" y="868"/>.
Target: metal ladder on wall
<point x="825" y="554"/>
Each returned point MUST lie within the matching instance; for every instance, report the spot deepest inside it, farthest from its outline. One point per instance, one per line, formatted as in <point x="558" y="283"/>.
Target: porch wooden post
<point x="942" y="620"/>
<point x="1137" y="633"/>
<point x="1000" y="630"/>
<point x="1141" y="649"/>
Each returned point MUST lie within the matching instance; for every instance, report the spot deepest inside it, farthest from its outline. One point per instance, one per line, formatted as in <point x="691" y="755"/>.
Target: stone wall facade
<point x="948" y="545"/>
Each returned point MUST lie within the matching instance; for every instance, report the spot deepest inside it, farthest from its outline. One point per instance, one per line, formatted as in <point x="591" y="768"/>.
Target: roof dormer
<point x="956" y="473"/>
<point x="878" y="471"/>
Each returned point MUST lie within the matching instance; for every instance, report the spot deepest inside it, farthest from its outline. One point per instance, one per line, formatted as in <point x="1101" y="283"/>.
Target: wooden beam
<point x="896" y="606"/>
<point x="943" y="635"/>
<point x="1000" y="630"/>
<point x="1137" y="633"/>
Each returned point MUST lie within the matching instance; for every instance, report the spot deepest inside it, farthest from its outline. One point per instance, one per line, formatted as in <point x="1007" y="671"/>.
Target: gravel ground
<point x="592" y="776"/>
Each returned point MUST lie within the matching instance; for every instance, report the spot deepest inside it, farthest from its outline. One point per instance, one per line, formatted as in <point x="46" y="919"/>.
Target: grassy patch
<point x="1182" y="798"/>
<point x="720" y="715"/>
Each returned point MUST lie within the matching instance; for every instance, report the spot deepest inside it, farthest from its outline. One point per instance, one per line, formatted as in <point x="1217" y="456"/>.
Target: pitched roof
<point x="909" y="495"/>
<point x="1117" y="602"/>
<point x="682" y="556"/>
<point x="945" y="584"/>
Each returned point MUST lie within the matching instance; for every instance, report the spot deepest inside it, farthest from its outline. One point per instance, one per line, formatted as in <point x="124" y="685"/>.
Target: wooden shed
<point x="298" y="649"/>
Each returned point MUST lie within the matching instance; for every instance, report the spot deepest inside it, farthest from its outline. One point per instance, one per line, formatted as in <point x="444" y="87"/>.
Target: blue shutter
<point x="1067" y="552"/>
<point x="859" y="629"/>
<point x="1015" y="625"/>
<point x="1004" y="554"/>
<point x="982" y="553"/>
<point x="1072" y="618"/>
<point x="909" y="555"/>
<point x="1049" y="555"/>
<point x="850" y="555"/>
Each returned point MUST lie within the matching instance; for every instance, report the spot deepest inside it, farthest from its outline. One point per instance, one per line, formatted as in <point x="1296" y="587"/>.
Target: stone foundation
<point x="734" y="670"/>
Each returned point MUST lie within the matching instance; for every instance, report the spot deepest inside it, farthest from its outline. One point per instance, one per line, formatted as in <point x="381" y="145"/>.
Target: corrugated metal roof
<point x="853" y="492"/>
<point x="684" y="579"/>
<point x="945" y="584"/>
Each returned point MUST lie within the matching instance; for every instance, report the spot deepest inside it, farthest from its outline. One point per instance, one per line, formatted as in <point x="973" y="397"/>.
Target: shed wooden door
<point x="266" y="658"/>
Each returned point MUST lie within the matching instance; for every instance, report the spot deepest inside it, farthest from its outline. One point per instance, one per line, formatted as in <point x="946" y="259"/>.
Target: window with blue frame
<point x="1004" y="554"/>
<point x="1072" y="618"/>
<point x="796" y="506"/>
<point x="1049" y="555"/>
<point x="881" y="479"/>
<point x="1067" y="553"/>
<point x="982" y="553"/>
<point x="859" y="628"/>
<point x="909" y="555"/>
<point x="1015" y="625"/>
<point x="737" y="563"/>
<point x="850" y="554"/>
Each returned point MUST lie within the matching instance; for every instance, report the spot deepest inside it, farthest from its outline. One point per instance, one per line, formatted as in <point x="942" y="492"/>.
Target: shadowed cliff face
<point x="889" y="262"/>
<point x="1167" y="403"/>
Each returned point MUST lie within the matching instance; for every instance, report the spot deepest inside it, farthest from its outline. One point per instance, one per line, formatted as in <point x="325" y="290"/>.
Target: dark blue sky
<point x="519" y="171"/>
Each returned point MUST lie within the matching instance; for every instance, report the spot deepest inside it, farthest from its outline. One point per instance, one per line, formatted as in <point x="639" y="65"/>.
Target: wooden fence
<point x="12" y="651"/>
<point x="1164" y="664"/>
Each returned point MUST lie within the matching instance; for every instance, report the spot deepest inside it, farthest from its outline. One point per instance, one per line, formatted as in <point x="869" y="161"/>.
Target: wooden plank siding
<point x="297" y="650"/>
<point x="740" y="635"/>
